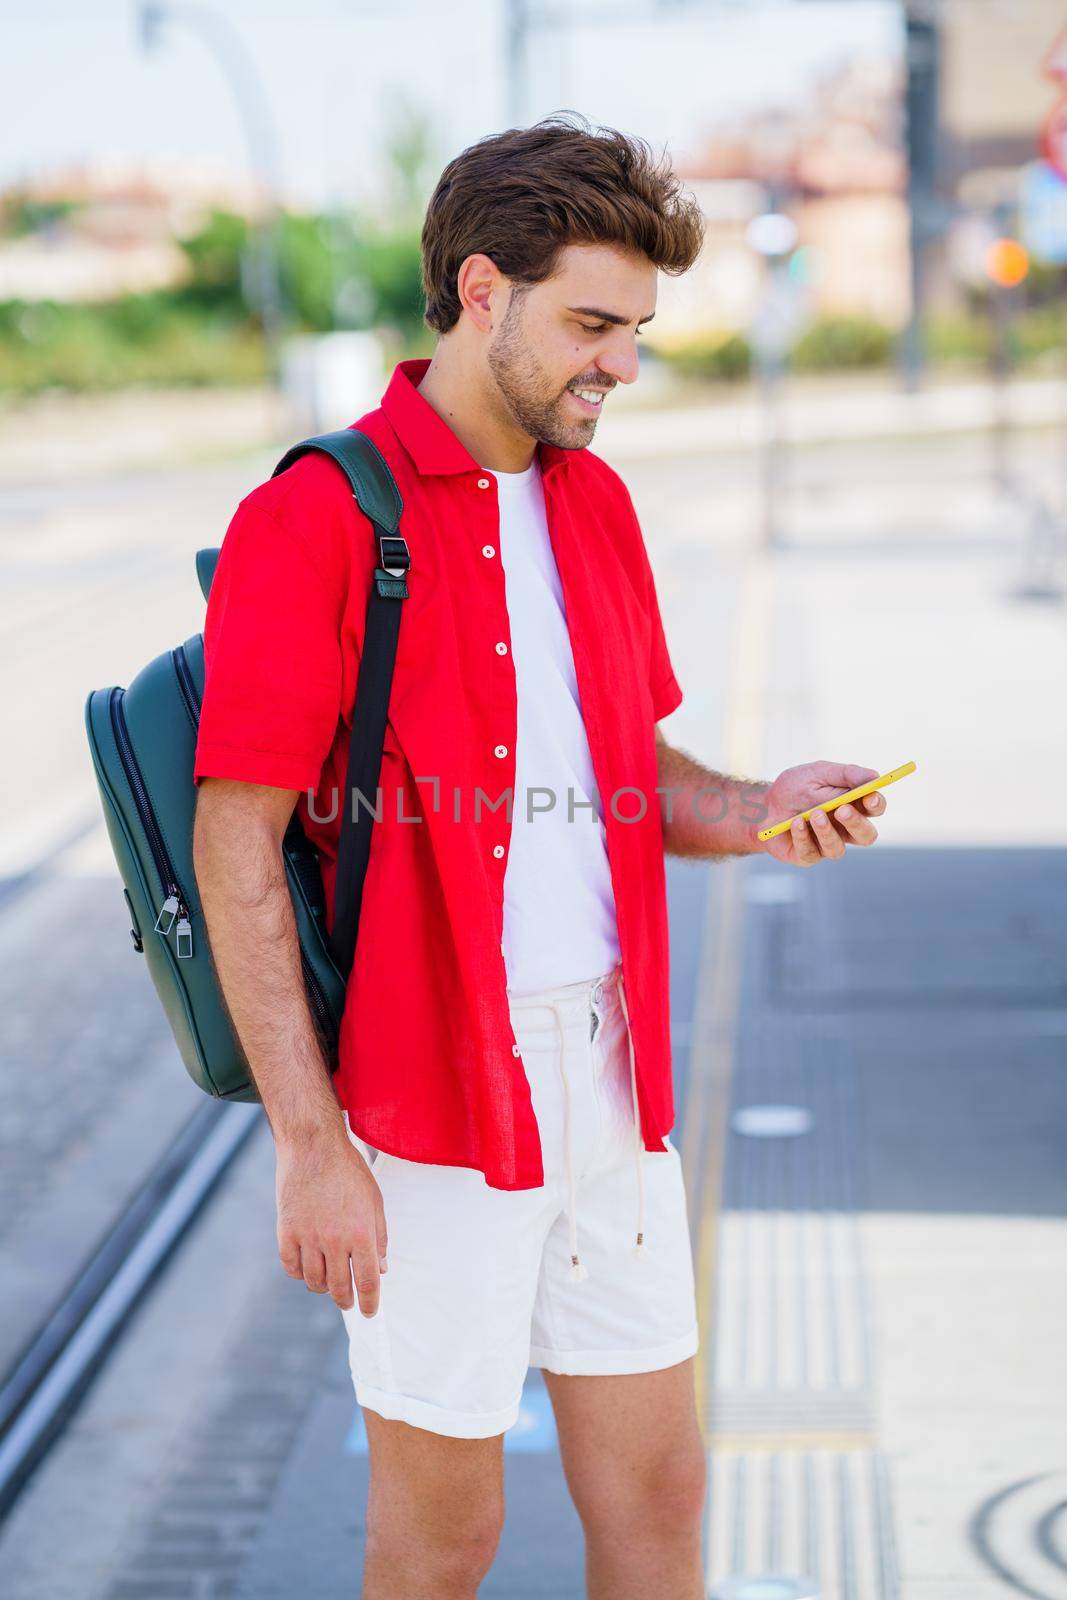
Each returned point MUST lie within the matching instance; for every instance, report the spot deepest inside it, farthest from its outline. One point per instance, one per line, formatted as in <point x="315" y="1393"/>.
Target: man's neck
<point x="453" y="390"/>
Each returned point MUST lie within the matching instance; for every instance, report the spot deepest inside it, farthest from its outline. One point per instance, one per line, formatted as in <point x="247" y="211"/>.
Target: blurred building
<point x="994" y="93"/>
<point x="836" y="164"/>
<point x="113" y="226"/>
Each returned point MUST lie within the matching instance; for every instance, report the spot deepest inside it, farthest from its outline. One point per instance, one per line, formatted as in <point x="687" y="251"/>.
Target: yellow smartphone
<point x="842" y="799"/>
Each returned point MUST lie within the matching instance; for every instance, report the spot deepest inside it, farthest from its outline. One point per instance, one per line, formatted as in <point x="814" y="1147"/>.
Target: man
<point x="490" y="1167"/>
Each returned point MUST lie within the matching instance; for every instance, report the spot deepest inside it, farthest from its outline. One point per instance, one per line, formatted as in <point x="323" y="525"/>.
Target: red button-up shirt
<point x="428" y="1064"/>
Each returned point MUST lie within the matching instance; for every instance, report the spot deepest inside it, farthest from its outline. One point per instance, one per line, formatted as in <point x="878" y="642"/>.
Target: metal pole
<point x="254" y="111"/>
<point x="1000" y="367"/>
<point x="517" y="37"/>
<point x="922" y="116"/>
<point x="774" y="236"/>
<point x="769" y="367"/>
<point x="1003" y="305"/>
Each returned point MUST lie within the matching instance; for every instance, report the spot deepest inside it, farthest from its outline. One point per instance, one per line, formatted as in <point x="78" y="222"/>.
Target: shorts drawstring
<point x="640" y="1248"/>
<point x="578" y="1270"/>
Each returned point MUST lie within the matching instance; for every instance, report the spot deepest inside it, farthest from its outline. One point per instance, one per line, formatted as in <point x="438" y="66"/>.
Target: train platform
<point x="870" y="1071"/>
<point x="870" y="1080"/>
<point x="876" y="1177"/>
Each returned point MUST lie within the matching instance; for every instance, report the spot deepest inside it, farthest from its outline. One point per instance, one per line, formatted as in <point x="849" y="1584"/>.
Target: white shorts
<point x="483" y="1283"/>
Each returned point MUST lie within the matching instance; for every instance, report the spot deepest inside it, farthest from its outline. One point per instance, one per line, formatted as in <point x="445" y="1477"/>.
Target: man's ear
<point x="478" y="284"/>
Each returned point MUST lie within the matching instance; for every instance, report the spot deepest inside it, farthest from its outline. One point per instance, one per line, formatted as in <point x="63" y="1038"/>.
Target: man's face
<point x="564" y="344"/>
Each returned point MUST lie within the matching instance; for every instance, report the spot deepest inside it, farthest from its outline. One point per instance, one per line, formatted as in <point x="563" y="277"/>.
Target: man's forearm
<point x="706" y="813"/>
<point x="256" y="951"/>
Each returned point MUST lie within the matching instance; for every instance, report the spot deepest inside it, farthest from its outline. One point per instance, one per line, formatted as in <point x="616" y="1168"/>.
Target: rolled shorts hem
<point x="604" y="1363"/>
<point x="437" y="1419"/>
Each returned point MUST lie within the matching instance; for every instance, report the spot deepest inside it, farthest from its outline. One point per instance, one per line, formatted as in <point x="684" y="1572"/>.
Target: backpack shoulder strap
<point x="367" y="470"/>
<point x="369" y="475"/>
<point x="206" y="562"/>
<point x="375" y="492"/>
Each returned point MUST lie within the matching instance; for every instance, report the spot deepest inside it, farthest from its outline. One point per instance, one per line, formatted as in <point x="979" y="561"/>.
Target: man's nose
<point x="620" y="363"/>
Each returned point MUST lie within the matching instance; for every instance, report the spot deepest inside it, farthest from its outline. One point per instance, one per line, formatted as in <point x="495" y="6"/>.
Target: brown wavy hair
<point x="520" y="196"/>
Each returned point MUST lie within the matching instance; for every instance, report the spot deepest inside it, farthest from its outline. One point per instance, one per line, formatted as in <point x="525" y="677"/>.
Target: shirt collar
<point x="427" y="438"/>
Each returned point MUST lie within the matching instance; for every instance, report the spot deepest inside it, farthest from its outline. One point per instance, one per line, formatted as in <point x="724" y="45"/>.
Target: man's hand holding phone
<point x="825" y="834"/>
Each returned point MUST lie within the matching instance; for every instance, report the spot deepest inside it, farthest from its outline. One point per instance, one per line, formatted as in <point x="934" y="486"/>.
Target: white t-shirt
<point x="559" y="906"/>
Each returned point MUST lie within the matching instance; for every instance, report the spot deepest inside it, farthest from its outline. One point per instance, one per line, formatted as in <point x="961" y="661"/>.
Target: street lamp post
<point x="254" y="111"/>
<point x="925" y="214"/>
<point x="773" y="236"/>
<point x="517" y="26"/>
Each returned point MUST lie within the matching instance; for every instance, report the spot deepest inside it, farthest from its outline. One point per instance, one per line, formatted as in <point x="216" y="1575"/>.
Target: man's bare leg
<point x="637" y="1473"/>
<point x="435" y="1510"/>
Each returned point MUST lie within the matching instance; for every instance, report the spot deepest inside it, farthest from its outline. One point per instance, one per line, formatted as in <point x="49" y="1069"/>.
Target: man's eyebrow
<point x="607" y="316"/>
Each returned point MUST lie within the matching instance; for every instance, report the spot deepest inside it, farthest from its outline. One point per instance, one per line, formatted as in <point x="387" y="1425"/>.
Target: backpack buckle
<point x="390" y="576"/>
<point x="393" y="553"/>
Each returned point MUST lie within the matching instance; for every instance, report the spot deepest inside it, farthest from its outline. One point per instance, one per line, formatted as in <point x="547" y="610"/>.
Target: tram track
<point x="71" y="1335"/>
<point x="56" y="1365"/>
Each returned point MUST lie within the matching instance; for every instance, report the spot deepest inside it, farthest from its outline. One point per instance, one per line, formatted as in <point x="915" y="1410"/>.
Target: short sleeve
<point x="666" y="690"/>
<point x="272" y="653"/>
<point x="664" y="687"/>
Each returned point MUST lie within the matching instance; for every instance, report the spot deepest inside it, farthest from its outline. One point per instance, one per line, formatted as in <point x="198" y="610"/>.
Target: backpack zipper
<point x="319" y="1003"/>
<point x="175" y="907"/>
<point x="187" y="687"/>
<point x="186" y="684"/>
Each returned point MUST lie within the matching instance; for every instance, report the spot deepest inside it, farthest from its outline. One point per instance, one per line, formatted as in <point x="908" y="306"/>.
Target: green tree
<point x="214" y="254"/>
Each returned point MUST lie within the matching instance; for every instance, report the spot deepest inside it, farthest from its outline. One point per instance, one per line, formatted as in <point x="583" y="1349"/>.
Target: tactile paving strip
<point x="797" y="1486"/>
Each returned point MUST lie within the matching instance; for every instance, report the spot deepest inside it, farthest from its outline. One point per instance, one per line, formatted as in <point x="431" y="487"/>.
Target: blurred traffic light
<point x="1007" y="263"/>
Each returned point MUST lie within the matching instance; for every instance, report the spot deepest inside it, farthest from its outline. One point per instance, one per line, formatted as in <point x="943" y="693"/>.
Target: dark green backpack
<point x="143" y="743"/>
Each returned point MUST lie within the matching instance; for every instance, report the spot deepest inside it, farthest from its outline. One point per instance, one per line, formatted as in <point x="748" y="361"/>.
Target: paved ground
<point x="881" y="1374"/>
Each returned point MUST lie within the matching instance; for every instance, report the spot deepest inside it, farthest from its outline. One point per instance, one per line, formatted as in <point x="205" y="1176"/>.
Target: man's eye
<point x="602" y="327"/>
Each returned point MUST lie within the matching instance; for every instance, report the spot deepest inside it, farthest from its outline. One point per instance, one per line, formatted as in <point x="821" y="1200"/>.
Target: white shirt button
<point x="501" y="750"/>
<point x="498" y="850"/>
<point x="483" y="483"/>
<point x="501" y="649"/>
<point x="488" y="550"/>
<point x="515" y="1050"/>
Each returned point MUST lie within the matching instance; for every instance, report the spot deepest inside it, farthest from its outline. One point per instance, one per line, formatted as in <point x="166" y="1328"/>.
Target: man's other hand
<point x="825" y="835"/>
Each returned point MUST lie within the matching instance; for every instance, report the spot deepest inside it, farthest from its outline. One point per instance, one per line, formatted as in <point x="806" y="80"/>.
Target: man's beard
<point x="535" y="405"/>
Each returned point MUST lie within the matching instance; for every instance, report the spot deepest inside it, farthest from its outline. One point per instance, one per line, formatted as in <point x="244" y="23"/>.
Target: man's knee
<point x="662" y="1501"/>
<point x="679" y="1492"/>
<point x="438" y="1560"/>
<point x="435" y="1510"/>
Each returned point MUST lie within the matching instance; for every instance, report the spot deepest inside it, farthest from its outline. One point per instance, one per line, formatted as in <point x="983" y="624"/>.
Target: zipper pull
<point x="184" y="938"/>
<point x="170" y="905"/>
